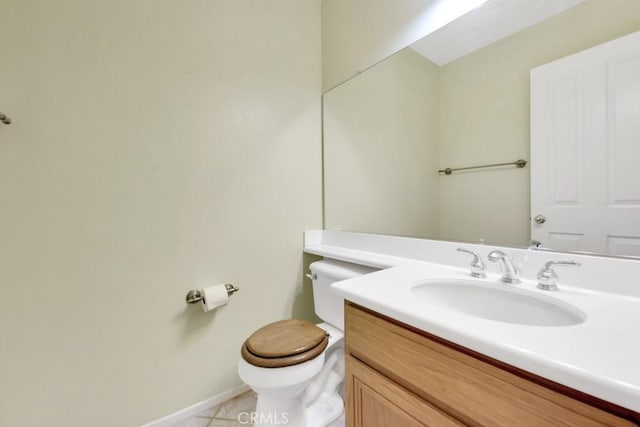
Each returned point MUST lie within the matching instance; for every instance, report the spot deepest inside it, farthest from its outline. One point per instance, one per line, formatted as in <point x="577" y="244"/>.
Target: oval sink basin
<point x="502" y="304"/>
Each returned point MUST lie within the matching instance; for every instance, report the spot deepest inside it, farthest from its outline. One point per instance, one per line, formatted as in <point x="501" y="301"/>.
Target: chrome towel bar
<point x="518" y="163"/>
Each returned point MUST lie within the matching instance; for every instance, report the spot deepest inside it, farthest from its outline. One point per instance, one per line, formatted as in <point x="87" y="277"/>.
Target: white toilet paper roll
<point x="214" y="297"/>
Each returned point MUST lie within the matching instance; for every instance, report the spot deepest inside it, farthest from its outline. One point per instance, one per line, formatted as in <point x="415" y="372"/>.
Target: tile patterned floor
<point x="223" y="415"/>
<point x="226" y="415"/>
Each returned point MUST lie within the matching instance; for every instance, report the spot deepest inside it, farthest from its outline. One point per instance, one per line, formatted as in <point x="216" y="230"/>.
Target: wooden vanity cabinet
<point x="398" y="376"/>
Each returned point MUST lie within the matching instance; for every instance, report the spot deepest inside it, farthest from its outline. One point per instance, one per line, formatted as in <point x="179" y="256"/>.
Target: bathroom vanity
<point x="427" y="344"/>
<point x="399" y="376"/>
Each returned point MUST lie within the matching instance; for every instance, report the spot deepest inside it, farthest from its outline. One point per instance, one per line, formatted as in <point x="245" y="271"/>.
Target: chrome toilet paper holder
<point x="194" y="296"/>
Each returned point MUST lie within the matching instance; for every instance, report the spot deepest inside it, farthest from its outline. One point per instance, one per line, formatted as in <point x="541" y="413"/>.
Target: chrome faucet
<point x="533" y="244"/>
<point x="548" y="278"/>
<point x="510" y="273"/>
<point x="477" y="266"/>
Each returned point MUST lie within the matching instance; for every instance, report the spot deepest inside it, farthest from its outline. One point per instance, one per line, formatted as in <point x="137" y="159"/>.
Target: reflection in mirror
<point x="389" y="130"/>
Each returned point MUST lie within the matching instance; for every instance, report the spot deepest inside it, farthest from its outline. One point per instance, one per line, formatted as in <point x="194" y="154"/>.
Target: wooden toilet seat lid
<point x="284" y="343"/>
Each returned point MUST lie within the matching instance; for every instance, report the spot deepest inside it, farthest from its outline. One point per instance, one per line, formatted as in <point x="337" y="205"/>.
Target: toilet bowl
<point x="305" y="394"/>
<point x="297" y="368"/>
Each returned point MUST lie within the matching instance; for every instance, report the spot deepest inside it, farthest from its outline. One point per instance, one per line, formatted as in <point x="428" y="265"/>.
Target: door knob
<point x="539" y="219"/>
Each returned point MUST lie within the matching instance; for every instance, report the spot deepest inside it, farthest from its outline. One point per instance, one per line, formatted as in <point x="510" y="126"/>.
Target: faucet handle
<point x="548" y="278"/>
<point x="477" y="266"/>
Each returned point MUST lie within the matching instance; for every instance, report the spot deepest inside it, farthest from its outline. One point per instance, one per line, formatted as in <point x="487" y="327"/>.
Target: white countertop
<point x="600" y="356"/>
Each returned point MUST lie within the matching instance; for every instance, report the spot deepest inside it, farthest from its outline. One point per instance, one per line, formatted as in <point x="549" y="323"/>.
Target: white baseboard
<point x="196" y="408"/>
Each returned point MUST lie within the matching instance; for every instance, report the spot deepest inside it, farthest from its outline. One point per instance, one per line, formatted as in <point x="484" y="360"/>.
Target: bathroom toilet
<point x="297" y="368"/>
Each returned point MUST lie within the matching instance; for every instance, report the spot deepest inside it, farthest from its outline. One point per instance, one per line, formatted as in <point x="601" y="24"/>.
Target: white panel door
<point x="585" y="150"/>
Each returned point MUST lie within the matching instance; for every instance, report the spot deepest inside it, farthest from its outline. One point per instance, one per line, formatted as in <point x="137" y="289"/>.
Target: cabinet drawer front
<point x="375" y="401"/>
<point x="467" y="388"/>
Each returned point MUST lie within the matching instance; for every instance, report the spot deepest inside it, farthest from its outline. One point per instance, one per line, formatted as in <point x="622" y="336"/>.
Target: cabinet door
<point x="376" y="401"/>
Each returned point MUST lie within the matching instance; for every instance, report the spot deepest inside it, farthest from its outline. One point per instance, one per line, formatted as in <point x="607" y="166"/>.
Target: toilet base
<point x="324" y="410"/>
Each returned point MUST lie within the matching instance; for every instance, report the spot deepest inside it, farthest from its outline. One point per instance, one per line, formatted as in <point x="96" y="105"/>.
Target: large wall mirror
<point x="461" y="97"/>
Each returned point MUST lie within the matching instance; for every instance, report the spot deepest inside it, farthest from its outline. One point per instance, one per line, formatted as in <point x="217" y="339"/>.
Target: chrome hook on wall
<point x="4" y="119"/>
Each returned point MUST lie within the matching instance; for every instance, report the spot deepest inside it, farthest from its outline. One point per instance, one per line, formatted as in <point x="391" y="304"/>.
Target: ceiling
<point x="480" y="27"/>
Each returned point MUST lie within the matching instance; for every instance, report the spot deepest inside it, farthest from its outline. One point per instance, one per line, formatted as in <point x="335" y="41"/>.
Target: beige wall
<point x="485" y="118"/>
<point x="157" y="146"/>
<point x="380" y="149"/>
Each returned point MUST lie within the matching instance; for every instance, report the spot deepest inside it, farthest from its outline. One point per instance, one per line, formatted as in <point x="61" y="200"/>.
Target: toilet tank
<point x="329" y="306"/>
